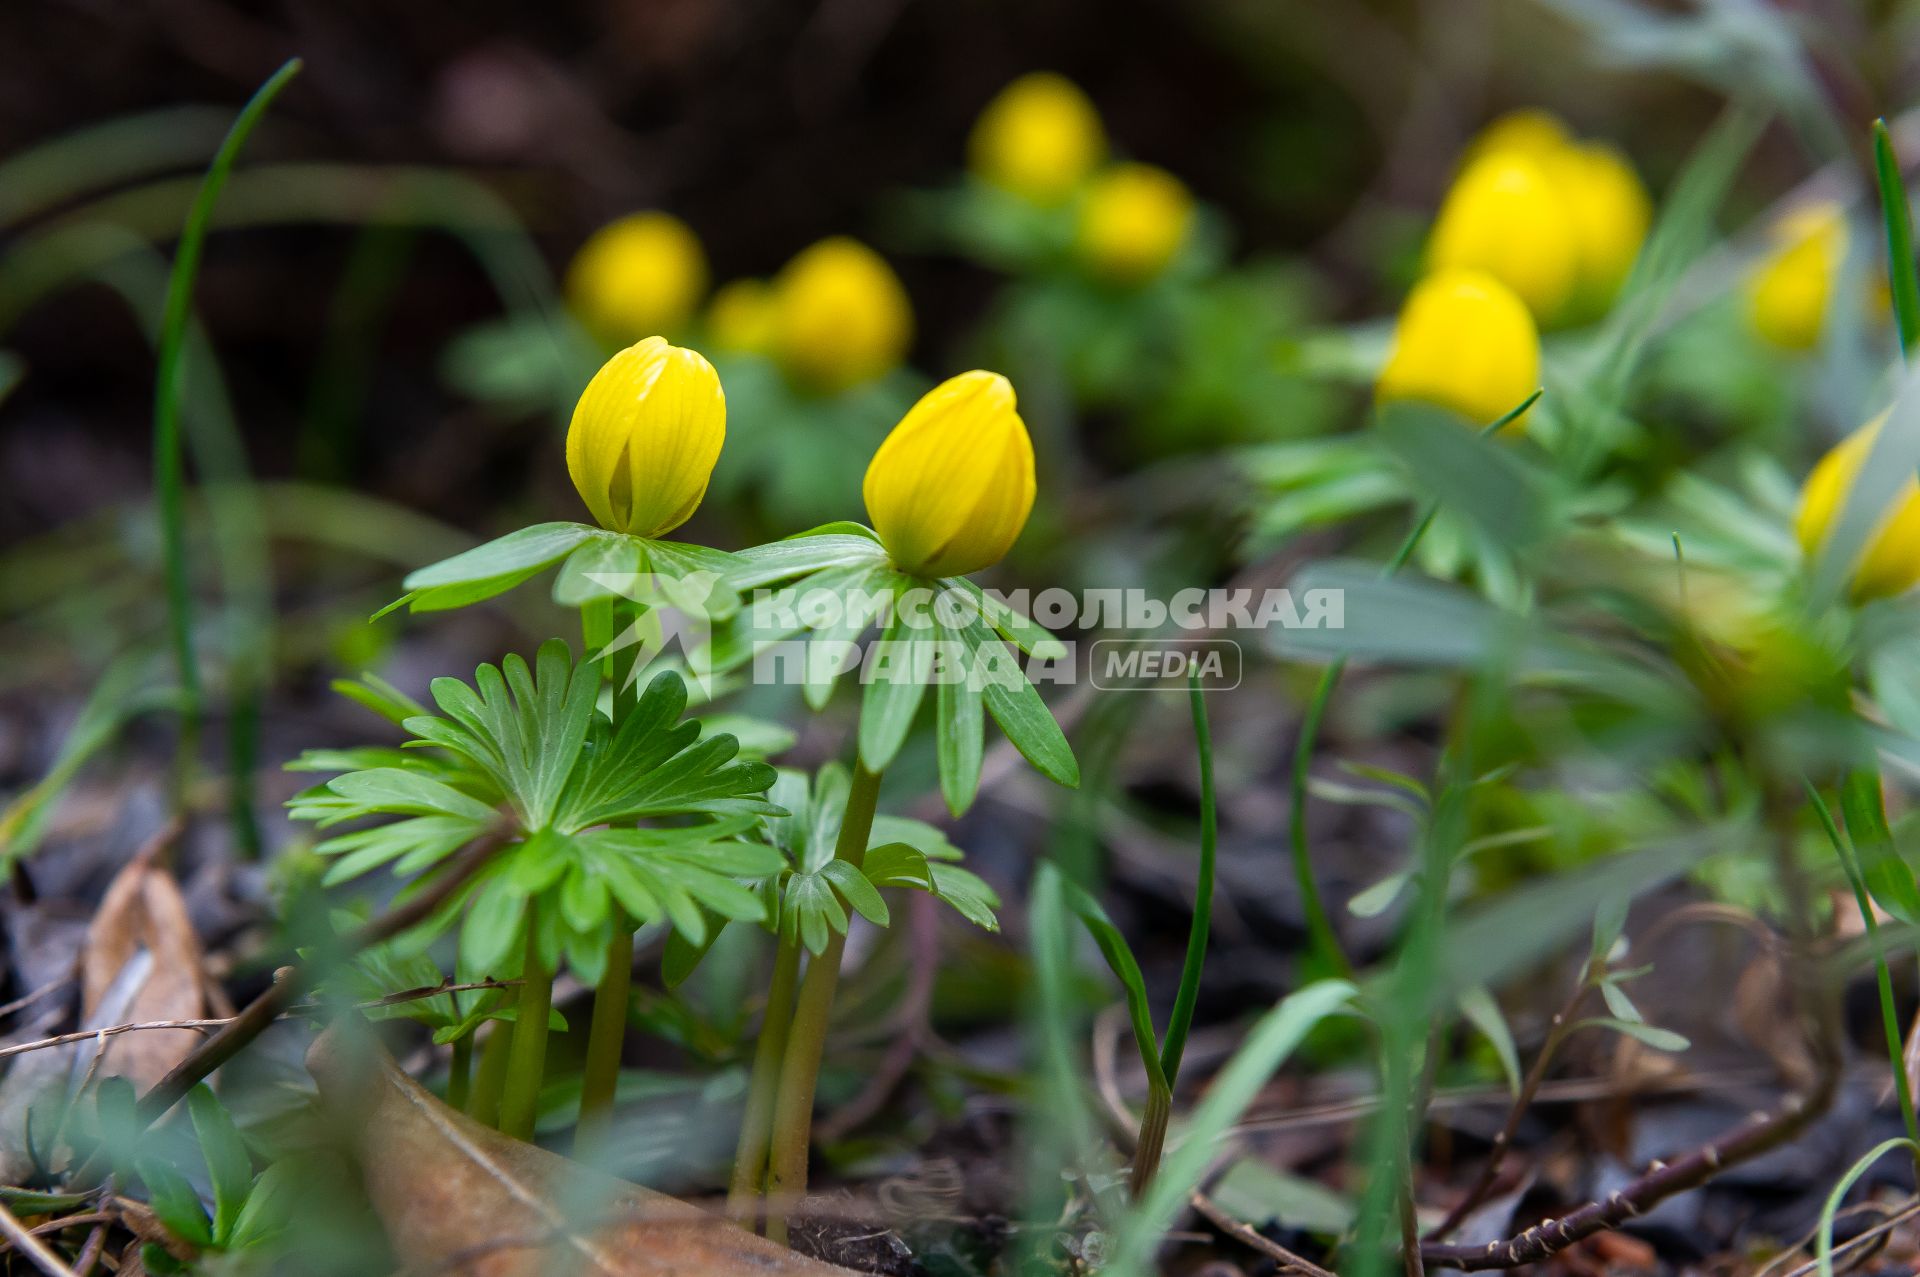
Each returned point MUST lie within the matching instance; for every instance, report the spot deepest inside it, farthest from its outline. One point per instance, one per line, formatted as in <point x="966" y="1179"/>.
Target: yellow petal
<point x="645" y="436"/>
<point x="641" y="274"/>
<point x="1527" y="131"/>
<point x="1787" y="297"/>
<point x="1610" y="212"/>
<point x="840" y="316"/>
<point x="1466" y="343"/>
<point x="1133" y="220"/>
<point x="951" y="487"/>
<point x="1890" y="562"/>
<point x="1507" y="217"/>
<point x="740" y="317"/>
<point x="1039" y="138"/>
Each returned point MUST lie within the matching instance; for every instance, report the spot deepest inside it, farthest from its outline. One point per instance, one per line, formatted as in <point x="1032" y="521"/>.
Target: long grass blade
<point x="169" y="471"/>
<point x="1174" y="1044"/>
<point x="1898" y="214"/>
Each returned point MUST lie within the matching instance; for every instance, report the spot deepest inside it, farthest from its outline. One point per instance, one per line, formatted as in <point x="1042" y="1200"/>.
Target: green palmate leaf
<point x="831" y="545"/>
<point x="897" y="864"/>
<point x="494" y="568"/>
<point x="270" y="1205"/>
<point x="596" y="569"/>
<point x="1024" y="633"/>
<point x="1016" y="705"/>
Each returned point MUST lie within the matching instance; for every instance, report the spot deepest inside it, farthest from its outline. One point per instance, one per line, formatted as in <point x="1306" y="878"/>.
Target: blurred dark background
<point x="765" y="124"/>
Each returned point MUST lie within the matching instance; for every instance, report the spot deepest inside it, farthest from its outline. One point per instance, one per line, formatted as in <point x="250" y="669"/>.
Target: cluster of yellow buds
<point x="1041" y="139"/>
<point x="1788" y="295"/>
<point x="1558" y="220"/>
<point x="834" y="318"/>
<point x="949" y="490"/>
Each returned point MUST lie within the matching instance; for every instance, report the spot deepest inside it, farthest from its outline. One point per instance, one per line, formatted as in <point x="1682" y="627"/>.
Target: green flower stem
<point x="800" y="1069"/>
<point x="490" y="1078"/>
<point x="607" y="1029"/>
<point x="605" y="1035"/>
<point x="460" y="1073"/>
<point x="527" y="1060"/>
<point x="1326" y="943"/>
<point x="756" y="1124"/>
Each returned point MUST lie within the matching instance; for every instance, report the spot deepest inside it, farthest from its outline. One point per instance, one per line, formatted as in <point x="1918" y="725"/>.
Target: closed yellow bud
<point x="1134" y="219"/>
<point x="840" y="316"/>
<point x="1506" y="216"/>
<point x="1890" y="563"/>
<point x="1466" y="343"/>
<point x="1039" y="138"/>
<point x="1787" y="297"/>
<point x="951" y="487"/>
<point x="642" y="274"/>
<point x="1529" y="131"/>
<point x="645" y="436"/>
<point x="1610" y="212"/>
<point x="740" y="317"/>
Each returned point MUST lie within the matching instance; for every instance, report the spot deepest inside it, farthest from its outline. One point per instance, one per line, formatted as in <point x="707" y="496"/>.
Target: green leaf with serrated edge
<point x="1484" y="1014"/>
<point x="967" y="893"/>
<point x="1017" y="707"/>
<point x="517" y="554"/>
<point x="896" y="864"/>
<point x="1658" y="1038"/>
<point x="229" y="1165"/>
<point x="897" y="673"/>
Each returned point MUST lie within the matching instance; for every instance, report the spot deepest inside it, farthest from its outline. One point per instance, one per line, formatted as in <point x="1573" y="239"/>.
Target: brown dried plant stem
<point x="1558" y="1030"/>
<point x="290" y="981"/>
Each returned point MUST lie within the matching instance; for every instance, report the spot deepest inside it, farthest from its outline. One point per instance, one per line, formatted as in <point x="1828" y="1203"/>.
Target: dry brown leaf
<point x="460" y="1199"/>
<point x="142" y="953"/>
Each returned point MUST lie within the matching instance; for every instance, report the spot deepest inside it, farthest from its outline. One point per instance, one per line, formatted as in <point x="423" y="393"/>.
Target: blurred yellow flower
<point x="740" y="317"/>
<point x="1465" y="342"/>
<point x="1890" y="563"/>
<point x="1530" y="131"/>
<point x="1038" y="138"/>
<point x="1508" y="217"/>
<point x="645" y="436"/>
<point x="1611" y="214"/>
<point x="950" y="489"/>
<point x="642" y="274"/>
<point x="1557" y="220"/>
<point x="1132" y="222"/>
<point x="1787" y="297"/>
<point x="840" y="316"/>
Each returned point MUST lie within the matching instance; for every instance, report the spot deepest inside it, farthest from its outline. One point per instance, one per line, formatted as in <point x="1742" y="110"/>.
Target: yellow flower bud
<point x="1611" y="214"/>
<point x="1528" y="131"/>
<point x="1507" y="217"/>
<point x="951" y="487"/>
<point x="1466" y="343"/>
<point x="645" y="436"/>
<point x="1890" y="563"/>
<point x="1039" y="138"/>
<point x="639" y="275"/>
<point x="1788" y="295"/>
<point x="840" y="316"/>
<point x="1134" y="219"/>
<point x="740" y="317"/>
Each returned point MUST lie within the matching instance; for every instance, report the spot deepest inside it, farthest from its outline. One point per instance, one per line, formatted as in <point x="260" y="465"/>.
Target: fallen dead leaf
<point x="460" y="1199"/>
<point x="141" y="952"/>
